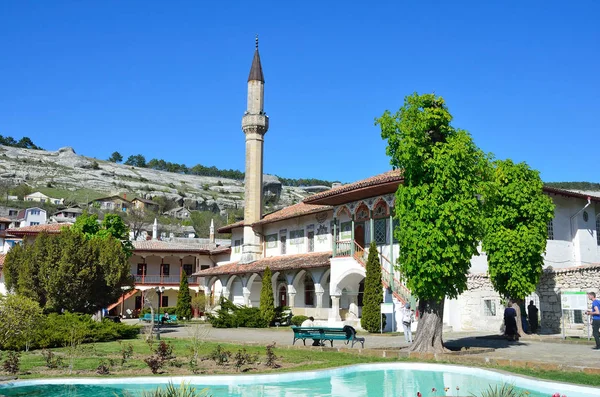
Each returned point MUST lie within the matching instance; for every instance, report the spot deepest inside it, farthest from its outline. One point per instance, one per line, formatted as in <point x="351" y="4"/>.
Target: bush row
<point x="230" y="315"/>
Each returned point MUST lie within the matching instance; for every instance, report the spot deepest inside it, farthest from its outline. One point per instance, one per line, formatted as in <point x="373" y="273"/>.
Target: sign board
<point x="574" y="300"/>
<point x="387" y="308"/>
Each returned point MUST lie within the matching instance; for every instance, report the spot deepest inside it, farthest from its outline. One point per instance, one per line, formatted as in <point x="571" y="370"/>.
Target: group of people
<point x="529" y="319"/>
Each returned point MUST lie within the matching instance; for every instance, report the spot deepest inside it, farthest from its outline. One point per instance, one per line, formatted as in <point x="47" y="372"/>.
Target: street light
<point x="148" y="302"/>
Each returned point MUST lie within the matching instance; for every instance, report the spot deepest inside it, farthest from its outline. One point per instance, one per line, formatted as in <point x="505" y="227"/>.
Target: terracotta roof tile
<point x="386" y="177"/>
<point x="158" y="245"/>
<point x="292" y="211"/>
<point x="275" y="263"/>
<point x="2" y="257"/>
<point x="50" y="228"/>
<point x="570" y="193"/>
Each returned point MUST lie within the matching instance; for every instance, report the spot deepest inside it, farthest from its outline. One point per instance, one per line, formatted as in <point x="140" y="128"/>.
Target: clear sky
<point x="168" y="79"/>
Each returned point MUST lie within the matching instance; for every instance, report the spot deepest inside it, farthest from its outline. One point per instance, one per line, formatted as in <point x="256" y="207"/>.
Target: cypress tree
<point x="267" y="304"/>
<point x="184" y="299"/>
<point x="373" y="294"/>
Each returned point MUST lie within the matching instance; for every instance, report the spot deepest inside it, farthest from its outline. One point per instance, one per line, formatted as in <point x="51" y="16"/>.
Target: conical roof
<point x="256" y="72"/>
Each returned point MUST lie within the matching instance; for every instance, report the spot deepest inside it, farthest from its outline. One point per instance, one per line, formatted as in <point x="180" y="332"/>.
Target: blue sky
<point x="168" y="79"/>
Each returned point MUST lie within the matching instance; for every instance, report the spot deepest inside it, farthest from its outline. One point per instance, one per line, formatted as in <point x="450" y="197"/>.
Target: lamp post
<point x="148" y="302"/>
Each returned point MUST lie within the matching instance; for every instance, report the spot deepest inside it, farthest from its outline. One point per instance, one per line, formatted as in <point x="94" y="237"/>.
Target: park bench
<point x="157" y="318"/>
<point x="322" y="334"/>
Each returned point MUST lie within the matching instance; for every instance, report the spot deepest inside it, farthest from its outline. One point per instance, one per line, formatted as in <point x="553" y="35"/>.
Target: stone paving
<point x="528" y="351"/>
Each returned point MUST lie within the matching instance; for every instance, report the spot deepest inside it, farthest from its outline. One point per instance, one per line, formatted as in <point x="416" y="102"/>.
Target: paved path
<point x="532" y="350"/>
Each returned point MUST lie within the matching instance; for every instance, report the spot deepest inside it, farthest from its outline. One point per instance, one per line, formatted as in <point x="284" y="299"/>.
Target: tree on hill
<point x="24" y="143"/>
<point x="116" y="157"/>
<point x="267" y="304"/>
<point x="21" y="191"/>
<point x="516" y="230"/>
<point x="373" y="293"/>
<point x="436" y="206"/>
<point x="137" y="160"/>
<point x="184" y="299"/>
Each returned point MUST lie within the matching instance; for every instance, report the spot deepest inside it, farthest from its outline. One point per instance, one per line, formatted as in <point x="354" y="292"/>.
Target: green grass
<point x="79" y="195"/>
<point x="88" y="357"/>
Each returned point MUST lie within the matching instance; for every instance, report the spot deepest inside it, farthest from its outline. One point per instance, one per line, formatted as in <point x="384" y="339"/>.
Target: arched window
<point x="598" y="229"/>
<point x="309" y="290"/>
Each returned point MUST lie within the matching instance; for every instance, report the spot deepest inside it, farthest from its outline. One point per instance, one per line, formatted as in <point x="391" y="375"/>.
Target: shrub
<point x="250" y="317"/>
<point x="164" y="351"/>
<point x="155" y="363"/>
<point x="298" y="320"/>
<point x="232" y="316"/>
<point x="220" y="356"/>
<point x="271" y="357"/>
<point x="243" y="358"/>
<point x="184" y="299"/>
<point x="12" y="362"/>
<point x="162" y="310"/>
<point x="506" y="390"/>
<point x="267" y="307"/>
<point x="126" y="352"/>
<point x="282" y="313"/>
<point x="103" y="368"/>
<point x="373" y="295"/>
<point x="52" y="360"/>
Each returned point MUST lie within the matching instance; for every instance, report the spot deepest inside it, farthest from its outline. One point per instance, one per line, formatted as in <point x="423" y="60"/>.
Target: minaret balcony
<point x="258" y="123"/>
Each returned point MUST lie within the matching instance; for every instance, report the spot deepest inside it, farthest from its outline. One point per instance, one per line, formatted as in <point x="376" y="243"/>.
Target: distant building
<point x="111" y="203"/>
<point x="31" y="217"/>
<point x="179" y="213"/>
<point x="7" y="241"/>
<point x="143" y="204"/>
<point x="68" y="215"/>
<point x="42" y="198"/>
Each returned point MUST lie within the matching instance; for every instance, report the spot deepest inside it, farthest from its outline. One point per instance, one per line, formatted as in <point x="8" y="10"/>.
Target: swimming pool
<point x="372" y="380"/>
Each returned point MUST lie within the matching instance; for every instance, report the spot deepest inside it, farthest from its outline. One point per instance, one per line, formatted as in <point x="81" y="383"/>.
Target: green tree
<point x="21" y="319"/>
<point x="267" y="304"/>
<point x="21" y="191"/>
<point x="373" y="294"/>
<point x="116" y="157"/>
<point x="516" y="231"/>
<point x="201" y="222"/>
<point x="136" y="161"/>
<point x="440" y="217"/>
<point x="184" y="299"/>
<point x="87" y="224"/>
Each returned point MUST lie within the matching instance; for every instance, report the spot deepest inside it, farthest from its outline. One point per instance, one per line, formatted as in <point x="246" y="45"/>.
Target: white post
<point x="155" y="229"/>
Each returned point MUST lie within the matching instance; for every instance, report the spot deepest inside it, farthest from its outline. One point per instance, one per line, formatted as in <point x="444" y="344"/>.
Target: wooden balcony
<point x="162" y="280"/>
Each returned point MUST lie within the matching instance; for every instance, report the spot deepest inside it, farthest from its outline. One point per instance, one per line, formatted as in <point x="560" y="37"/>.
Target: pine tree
<point x="184" y="299"/>
<point x="373" y="295"/>
<point x="267" y="304"/>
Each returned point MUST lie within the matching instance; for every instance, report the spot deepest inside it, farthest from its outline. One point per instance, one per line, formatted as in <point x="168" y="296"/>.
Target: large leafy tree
<point x="184" y="299"/>
<point x="21" y="319"/>
<point x="267" y="303"/>
<point x="373" y="294"/>
<point x="137" y="160"/>
<point x="437" y="207"/>
<point x="516" y="231"/>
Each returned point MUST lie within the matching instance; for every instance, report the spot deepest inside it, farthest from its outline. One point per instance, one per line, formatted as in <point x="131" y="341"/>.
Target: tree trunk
<point x="429" y="329"/>
<point x="519" y="321"/>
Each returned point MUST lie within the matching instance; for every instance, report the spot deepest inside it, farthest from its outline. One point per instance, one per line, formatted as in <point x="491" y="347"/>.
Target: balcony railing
<point x="155" y="279"/>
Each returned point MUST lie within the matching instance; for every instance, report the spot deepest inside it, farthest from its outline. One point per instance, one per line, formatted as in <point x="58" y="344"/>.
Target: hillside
<point x="80" y="179"/>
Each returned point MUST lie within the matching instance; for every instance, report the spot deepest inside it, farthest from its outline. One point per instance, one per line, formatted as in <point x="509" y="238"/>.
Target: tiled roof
<point x="6" y="220"/>
<point x="292" y="211"/>
<point x="223" y="249"/>
<point x="51" y="228"/>
<point x="275" y="263"/>
<point x="386" y="177"/>
<point x="570" y="193"/>
<point x="574" y="269"/>
<point x="145" y="201"/>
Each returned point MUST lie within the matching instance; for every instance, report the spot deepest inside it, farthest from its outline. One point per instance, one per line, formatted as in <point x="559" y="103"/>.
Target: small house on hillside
<point x="111" y="203"/>
<point x="67" y="215"/>
<point x="31" y="217"/>
<point x="143" y="204"/>
<point x="42" y="198"/>
<point x="179" y="213"/>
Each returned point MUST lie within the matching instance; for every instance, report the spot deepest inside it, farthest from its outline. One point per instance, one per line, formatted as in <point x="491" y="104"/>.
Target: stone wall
<point x="470" y="313"/>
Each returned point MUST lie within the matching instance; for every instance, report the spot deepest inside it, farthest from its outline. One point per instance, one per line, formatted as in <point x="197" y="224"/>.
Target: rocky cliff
<point x="65" y="174"/>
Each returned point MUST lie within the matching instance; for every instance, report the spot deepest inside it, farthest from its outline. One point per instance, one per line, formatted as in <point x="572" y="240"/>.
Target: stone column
<point x="334" y="312"/>
<point x="352" y="238"/>
<point x="246" y="293"/>
<point x="334" y="242"/>
<point x="353" y="307"/>
<point x="225" y="292"/>
<point x="291" y="291"/>
<point x="319" y="291"/>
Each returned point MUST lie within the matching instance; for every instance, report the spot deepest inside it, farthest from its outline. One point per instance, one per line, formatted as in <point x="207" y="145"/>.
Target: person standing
<point x="532" y="312"/>
<point x="510" y="322"/>
<point x="407" y="317"/>
<point x="595" y="313"/>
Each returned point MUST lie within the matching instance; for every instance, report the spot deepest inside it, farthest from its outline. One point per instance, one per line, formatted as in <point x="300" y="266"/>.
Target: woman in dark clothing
<point x="510" y="322"/>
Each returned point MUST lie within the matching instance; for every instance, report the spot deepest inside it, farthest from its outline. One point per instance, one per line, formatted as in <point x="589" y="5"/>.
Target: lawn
<point x="86" y="359"/>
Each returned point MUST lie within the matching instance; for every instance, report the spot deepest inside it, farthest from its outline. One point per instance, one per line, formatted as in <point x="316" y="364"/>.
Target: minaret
<point x="155" y="230"/>
<point x="255" y="124"/>
<point x="211" y="235"/>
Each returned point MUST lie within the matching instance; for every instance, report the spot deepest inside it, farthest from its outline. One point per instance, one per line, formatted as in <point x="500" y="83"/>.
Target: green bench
<point x="158" y="318"/>
<point x="322" y="334"/>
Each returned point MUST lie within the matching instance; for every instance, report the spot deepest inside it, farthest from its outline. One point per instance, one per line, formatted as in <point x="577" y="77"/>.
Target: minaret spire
<point x="255" y="124"/>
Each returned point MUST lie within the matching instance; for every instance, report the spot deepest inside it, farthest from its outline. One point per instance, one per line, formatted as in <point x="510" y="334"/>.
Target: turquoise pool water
<point x="373" y="380"/>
